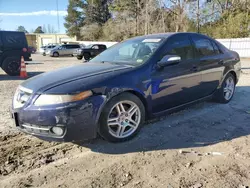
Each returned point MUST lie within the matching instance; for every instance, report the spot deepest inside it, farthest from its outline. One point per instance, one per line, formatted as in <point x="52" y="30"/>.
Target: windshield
<point x="88" y="46"/>
<point x="134" y="51"/>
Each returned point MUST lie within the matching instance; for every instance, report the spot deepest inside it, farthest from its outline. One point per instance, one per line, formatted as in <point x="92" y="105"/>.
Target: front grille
<point x="21" y="96"/>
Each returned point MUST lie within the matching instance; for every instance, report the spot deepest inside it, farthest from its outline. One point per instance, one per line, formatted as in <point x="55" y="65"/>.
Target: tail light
<point x="25" y="50"/>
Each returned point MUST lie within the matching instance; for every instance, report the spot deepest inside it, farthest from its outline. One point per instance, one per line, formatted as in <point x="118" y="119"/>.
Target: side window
<point x="102" y="47"/>
<point x="95" y="47"/>
<point x="216" y="48"/>
<point x="204" y="46"/>
<point x="180" y="45"/>
<point x="68" y="46"/>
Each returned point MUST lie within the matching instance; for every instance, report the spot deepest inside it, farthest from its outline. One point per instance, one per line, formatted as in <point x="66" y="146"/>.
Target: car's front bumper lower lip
<point x="78" y="120"/>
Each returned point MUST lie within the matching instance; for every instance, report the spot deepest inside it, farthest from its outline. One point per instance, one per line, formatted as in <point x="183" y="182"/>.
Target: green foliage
<point x="38" y="30"/>
<point x="22" y="29"/>
<point x="116" y="20"/>
<point x="74" y="19"/>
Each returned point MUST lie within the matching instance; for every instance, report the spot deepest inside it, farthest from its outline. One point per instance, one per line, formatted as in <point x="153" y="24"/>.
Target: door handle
<point x="194" y="69"/>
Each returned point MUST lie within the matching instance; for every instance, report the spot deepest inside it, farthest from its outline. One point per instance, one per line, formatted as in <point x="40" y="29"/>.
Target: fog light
<point x="57" y="130"/>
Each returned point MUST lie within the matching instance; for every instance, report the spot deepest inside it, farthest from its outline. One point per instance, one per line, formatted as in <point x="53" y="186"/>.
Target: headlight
<point x="58" y="99"/>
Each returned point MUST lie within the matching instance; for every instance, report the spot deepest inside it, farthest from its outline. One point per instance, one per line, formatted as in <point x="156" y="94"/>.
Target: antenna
<point x="58" y="23"/>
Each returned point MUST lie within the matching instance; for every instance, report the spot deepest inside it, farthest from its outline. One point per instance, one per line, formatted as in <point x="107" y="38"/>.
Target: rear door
<point x="74" y="48"/>
<point x="63" y="50"/>
<point x="211" y="63"/>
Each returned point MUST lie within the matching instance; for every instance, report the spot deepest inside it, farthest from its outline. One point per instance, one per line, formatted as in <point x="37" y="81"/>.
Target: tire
<point x="120" y="130"/>
<point x="226" y="91"/>
<point x="55" y="54"/>
<point x="87" y="56"/>
<point x="12" y="65"/>
<point x="79" y="57"/>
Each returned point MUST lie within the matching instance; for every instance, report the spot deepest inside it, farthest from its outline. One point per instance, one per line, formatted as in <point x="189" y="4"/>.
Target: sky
<point x="32" y="13"/>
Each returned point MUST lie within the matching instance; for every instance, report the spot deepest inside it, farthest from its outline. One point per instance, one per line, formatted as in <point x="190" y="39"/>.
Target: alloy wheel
<point x="124" y="118"/>
<point x="229" y="88"/>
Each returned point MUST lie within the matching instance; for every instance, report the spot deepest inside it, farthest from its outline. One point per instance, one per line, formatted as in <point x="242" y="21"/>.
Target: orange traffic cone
<point x="23" y="73"/>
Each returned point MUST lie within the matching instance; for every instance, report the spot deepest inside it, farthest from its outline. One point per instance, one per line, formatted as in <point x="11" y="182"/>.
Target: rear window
<point x="14" y="39"/>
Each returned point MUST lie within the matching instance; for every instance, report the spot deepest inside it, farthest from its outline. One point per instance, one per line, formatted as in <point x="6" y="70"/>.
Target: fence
<point x="240" y="45"/>
<point x="108" y="44"/>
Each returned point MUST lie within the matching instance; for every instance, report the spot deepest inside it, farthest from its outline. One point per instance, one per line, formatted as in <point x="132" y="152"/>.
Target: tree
<point x="49" y="29"/>
<point x="22" y="29"/>
<point x="75" y="18"/>
<point x="96" y="11"/>
<point x="44" y="28"/>
<point x="38" y="30"/>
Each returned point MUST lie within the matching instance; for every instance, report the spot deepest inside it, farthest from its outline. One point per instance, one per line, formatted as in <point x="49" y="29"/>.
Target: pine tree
<point x="22" y="29"/>
<point x="74" y="19"/>
<point x="39" y="30"/>
<point x="97" y="11"/>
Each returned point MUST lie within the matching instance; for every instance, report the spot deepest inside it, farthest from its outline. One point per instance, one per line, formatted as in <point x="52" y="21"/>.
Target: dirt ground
<point x="206" y="145"/>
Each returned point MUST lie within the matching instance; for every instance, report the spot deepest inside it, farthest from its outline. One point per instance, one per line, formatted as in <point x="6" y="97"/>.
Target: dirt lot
<point x="207" y="145"/>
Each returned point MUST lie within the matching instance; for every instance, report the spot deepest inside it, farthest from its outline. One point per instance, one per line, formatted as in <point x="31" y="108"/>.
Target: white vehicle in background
<point x="41" y="49"/>
<point x="47" y="48"/>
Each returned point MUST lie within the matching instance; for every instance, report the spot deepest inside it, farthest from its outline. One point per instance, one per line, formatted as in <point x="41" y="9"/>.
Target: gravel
<point x="206" y="145"/>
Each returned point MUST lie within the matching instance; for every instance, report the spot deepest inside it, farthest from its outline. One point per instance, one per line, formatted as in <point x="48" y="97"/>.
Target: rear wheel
<point x="55" y="54"/>
<point x="87" y="56"/>
<point x="11" y="65"/>
<point x="122" y="118"/>
<point x="226" y="92"/>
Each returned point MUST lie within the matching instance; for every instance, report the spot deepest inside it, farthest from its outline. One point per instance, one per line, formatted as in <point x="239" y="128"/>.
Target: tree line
<point x="40" y="29"/>
<point x="116" y="20"/>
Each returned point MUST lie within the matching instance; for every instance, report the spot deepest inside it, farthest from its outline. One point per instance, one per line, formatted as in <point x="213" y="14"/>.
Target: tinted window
<point x="180" y="45"/>
<point x="95" y="47"/>
<point x="102" y="47"/>
<point x="204" y="46"/>
<point x="14" y="39"/>
<point x="216" y="48"/>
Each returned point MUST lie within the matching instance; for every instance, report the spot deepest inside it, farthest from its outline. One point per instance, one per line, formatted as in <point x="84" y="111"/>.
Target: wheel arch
<point x="131" y="91"/>
<point x="226" y="72"/>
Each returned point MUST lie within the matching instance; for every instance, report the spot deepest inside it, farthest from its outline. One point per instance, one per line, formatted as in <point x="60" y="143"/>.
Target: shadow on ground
<point x="203" y="124"/>
<point x="7" y="77"/>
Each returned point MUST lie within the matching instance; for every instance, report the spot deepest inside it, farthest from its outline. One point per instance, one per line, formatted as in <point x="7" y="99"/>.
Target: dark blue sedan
<point x="114" y="93"/>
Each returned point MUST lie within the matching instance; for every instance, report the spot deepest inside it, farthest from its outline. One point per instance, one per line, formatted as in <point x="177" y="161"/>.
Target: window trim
<point x="176" y="35"/>
<point x="198" y="55"/>
<point x="215" y="43"/>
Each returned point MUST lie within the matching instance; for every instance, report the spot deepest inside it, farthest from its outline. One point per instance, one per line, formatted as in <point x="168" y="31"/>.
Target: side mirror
<point x="168" y="60"/>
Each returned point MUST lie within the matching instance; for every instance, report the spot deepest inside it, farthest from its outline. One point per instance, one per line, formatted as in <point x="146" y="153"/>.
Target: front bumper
<point x="79" y="119"/>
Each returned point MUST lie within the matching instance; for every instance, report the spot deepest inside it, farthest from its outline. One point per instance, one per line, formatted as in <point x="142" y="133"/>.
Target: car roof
<point x="166" y="35"/>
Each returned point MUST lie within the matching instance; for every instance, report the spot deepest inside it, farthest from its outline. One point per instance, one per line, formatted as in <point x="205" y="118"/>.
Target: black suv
<point x="13" y="45"/>
<point x="89" y="51"/>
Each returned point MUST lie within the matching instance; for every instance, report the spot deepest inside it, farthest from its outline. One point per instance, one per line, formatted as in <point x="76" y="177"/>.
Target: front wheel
<point x="86" y="56"/>
<point x="55" y="54"/>
<point x="121" y="118"/>
<point x="79" y="57"/>
<point x="226" y="92"/>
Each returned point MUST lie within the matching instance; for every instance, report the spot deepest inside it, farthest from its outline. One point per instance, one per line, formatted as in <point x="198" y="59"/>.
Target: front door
<point x="95" y="50"/>
<point x="180" y="83"/>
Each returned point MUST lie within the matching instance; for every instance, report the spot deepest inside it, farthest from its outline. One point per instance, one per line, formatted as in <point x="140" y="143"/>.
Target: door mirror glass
<point x="169" y="60"/>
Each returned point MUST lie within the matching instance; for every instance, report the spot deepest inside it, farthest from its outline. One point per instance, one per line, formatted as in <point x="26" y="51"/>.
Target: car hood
<point x="55" y="78"/>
